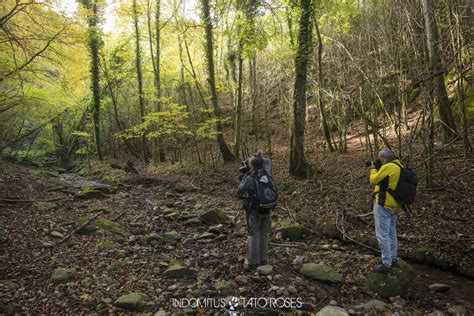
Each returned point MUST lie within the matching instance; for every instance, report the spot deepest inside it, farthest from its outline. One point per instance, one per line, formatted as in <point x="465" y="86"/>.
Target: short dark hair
<point x="256" y="162"/>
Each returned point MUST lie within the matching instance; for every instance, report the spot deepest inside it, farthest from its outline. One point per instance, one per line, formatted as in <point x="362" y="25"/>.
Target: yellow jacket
<point x="392" y="171"/>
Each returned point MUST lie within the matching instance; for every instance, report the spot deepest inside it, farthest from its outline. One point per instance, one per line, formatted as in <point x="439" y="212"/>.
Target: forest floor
<point x="155" y="224"/>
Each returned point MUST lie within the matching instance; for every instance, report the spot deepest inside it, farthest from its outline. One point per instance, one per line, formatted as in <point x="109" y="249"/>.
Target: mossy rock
<point x="329" y="229"/>
<point x="45" y="206"/>
<point x="62" y="274"/>
<point x="153" y="239"/>
<point x="105" y="245"/>
<point x="57" y="188"/>
<point x="10" y="285"/>
<point x="136" y="301"/>
<point x="431" y="255"/>
<point x="171" y="216"/>
<point x="206" y="235"/>
<point x="290" y="230"/>
<point x="90" y="193"/>
<point x="179" y="272"/>
<point x="225" y="287"/>
<point x="321" y="273"/>
<point x="102" y="223"/>
<point x="213" y="217"/>
<point x="394" y="284"/>
<point x="172" y="235"/>
<point x="183" y="187"/>
<point x="185" y="215"/>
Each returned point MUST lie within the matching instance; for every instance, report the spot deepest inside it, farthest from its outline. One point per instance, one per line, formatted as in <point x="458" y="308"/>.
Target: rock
<point x="45" y="206"/>
<point x="321" y="273"/>
<point x="62" y="274"/>
<point x="86" y="282"/>
<point x="179" y="272"/>
<point x="56" y="234"/>
<point x="138" y="302"/>
<point x="292" y="289"/>
<point x="185" y="215"/>
<point x="265" y="269"/>
<point x="389" y="285"/>
<point x="90" y="193"/>
<point x="193" y="222"/>
<point x="372" y="305"/>
<point x="205" y="235"/>
<point x="241" y="280"/>
<point x="9" y="284"/>
<point x="436" y="313"/>
<point x="105" y="245"/>
<point x="332" y="311"/>
<point x="218" y="229"/>
<point x="325" y="247"/>
<point x="439" y="288"/>
<point x="102" y="223"/>
<point x="225" y="287"/>
<point x="298" y="261"/>
<point x="172" y="235"/>
<point x="171" y="216"/>
<point x="290" y="230"/>
<point x="213" y="217"/>
<point x="456" y="310"/>
<point x="333" y="302"/>
<point x="153" y="239"/>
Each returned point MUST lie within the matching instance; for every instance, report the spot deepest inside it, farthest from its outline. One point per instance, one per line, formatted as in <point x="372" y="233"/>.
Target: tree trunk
<point x="206" y="18"/>
<point x="94" y="46"/>
<point x="138" y="64"/>
<point x="298" y="165"/>
<point x="436" y="68"/>
<point x="322" y="110"/>
<point x="238" y="110"/>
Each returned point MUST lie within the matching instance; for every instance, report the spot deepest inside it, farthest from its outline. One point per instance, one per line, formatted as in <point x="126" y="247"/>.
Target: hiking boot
<point x="263" y="262"/>
<point x="382" y="268"/>
<point x="396" y="265"/>
<point x="251" y="267"/>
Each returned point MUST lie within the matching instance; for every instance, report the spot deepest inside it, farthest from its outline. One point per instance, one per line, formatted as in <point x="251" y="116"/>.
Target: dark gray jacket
<point x="247" y="185"/>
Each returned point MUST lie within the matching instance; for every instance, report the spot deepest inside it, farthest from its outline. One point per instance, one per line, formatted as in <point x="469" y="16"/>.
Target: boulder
<point x="179" y="272"/>
<point x="390" y="285"/>
<point x="439" y="288"/>
<point x="102" y="223"/>
<point x="90" y="193"/>
<point x="265" y="269"/>
<point x="9" y="284"/>
<point x="45" y="206"/>
<point x="332" y="311"/>
<point x="135" y="301"/>
<point x="62" y="274"/>
<point x="172" y="235"/>
<point x="321" y="273"/>
<point x="105" y="245"/>
<point x="213" y="217"/>
<point x="289" y="230"/>
<point x="372" y="306"/>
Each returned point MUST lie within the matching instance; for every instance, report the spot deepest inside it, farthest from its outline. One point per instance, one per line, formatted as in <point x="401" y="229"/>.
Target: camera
<point x="244" y="166"/>
<point x="376" y="163"/>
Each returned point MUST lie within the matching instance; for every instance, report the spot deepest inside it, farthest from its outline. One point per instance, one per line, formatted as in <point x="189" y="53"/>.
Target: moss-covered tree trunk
<point x="94" y="47"/>
<point x="298" y="165"/>
<point x="436" y="68"/>
<point x="138" y="64"/>
<point x="206" y="18"/>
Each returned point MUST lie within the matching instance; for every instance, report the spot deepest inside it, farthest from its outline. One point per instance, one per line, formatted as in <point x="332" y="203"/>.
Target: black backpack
<point x="405" y="191"/>
<point x="265" y="194"/>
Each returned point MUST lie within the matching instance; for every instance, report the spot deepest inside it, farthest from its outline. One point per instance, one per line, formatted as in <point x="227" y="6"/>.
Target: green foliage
<point x="207" y="129"/>
<point x="169" y="125"/>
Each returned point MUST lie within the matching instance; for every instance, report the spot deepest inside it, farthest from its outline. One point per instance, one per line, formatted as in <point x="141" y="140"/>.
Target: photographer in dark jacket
<point x="258" y="223"/>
